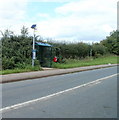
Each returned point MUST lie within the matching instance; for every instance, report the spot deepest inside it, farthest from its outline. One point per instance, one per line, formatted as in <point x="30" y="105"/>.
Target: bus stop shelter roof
<point x="43" y="44"/>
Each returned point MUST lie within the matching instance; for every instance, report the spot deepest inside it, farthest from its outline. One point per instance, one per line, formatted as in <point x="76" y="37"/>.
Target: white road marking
<point x="98" y="82"/>
<point x="51" y="95"/>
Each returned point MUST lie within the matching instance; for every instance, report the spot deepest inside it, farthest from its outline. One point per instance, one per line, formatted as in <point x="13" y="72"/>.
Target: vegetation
<point x="20" y="70"/>
<point x="82" y="50"/>
<point x="17" y="52"/>
<point x="112" y="42"/>
<point x="71" y="63"/>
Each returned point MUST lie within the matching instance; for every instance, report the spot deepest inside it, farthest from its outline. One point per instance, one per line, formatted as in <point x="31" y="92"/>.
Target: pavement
<point x="47" y="72"/>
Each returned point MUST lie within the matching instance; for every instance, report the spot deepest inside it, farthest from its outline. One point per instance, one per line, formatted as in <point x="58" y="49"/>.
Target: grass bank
<point x="71" y="63"/>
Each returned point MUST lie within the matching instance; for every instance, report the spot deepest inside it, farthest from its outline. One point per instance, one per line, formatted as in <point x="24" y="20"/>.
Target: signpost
<point x="33" y="51"/>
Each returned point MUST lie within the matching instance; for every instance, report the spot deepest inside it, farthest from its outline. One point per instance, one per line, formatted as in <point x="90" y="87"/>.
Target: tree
<point x="112" y="42"/>
<point x="7" y="33"/>
<point x="24" y="31"/>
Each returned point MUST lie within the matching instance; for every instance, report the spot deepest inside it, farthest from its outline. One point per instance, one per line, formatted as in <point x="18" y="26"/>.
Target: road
<point x="88" y="94"/>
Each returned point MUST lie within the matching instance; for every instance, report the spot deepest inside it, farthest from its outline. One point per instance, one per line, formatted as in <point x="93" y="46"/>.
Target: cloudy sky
<point x="61" y="20"/>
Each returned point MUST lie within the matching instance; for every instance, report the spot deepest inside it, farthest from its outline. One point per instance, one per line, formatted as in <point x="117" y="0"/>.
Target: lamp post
<point x="33" y="51"/>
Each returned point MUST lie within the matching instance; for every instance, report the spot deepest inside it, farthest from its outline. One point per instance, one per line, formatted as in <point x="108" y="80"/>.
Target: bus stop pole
<point x="33" y="52"/>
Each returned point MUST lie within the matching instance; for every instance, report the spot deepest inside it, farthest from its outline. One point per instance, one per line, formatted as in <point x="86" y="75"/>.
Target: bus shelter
<point x="44" y="54"/>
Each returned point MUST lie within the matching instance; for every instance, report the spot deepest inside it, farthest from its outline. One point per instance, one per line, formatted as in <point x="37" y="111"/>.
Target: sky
<point x="61" y="20"/>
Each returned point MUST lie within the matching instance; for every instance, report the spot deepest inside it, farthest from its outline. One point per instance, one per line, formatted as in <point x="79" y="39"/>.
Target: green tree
<point x="24" y="31"/>
<point x="112" y="42"/>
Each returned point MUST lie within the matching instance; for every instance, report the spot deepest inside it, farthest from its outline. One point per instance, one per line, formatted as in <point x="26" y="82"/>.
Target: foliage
<point x="80" y="50"/>
<point x="112" y="42"/>
<point x="17" y="50"/>
<point x="98" y="50"/>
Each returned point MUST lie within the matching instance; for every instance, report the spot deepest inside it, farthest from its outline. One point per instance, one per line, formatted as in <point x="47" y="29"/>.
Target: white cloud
<point x="83" y="20"/>
<point x="118" y="15"/>
<point x="44" y="15"/>
<point x="87" y="20"/>
<point x="12" y="12"/>
<point x="107" y="28"/>
<point x="12" y="9"/>
<point x="88" y="6"/>
<point x="58" y="1"/>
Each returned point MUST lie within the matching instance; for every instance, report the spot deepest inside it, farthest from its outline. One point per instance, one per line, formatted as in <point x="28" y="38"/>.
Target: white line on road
<point x="54" y="94"/>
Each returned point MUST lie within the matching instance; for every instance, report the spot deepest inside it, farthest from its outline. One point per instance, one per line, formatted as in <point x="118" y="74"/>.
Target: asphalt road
<point x="97" y="100"/>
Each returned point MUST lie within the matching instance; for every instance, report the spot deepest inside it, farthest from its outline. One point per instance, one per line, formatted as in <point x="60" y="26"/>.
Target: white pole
<point x="33" y="52"/>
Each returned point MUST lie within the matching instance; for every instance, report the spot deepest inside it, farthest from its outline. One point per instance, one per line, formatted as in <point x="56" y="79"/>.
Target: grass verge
<point x="20" y="70"/>
<point x="71" y="63"/>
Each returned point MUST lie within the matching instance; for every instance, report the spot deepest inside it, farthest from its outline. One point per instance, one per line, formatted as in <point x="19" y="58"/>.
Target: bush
<point x="74" y="50"/>
<point x="8" y="63"/>
<point x="16" y="51"/>
<point x="98" y="50"/>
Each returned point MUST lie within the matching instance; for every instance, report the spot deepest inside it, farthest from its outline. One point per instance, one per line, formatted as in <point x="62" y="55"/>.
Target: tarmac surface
<point x="87" y="94"/>
<point x="47" y="72"/>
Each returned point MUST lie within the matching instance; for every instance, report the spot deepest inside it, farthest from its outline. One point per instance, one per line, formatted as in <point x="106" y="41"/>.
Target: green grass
<point x="71" y="63"/>
<point x="20" y="70"/>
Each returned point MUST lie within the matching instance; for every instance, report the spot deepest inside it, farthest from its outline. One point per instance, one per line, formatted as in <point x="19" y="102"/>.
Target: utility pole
<point x="34" y="50"/>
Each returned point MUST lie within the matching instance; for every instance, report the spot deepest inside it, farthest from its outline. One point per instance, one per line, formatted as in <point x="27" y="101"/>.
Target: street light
<point x="33" y="51"/>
